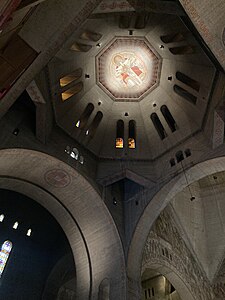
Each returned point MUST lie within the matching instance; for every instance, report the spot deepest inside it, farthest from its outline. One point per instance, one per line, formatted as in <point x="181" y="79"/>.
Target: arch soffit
<point x="158" y="203"/>
<point x="25" y="171"/>
<point x="173" y="276"/>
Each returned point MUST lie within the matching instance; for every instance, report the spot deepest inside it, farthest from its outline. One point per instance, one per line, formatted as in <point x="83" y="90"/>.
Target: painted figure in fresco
<point x="128" y="69"/>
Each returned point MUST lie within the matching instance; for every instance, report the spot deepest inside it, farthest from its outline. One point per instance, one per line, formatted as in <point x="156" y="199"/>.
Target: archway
<point x="38" y="243"/>
<point x="162" y="275"/>
<point x="78" y="209"/>
<point x="152" y="211"/>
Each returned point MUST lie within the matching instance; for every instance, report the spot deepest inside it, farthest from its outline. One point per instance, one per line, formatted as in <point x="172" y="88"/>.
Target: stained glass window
<point x="4" y="254"/>
<point x="119" y="134"/>
<point x="119" y="143"/>
<point x="2" y="218"/>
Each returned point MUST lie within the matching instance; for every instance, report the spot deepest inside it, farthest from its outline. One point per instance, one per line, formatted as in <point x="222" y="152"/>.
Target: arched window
<point x="1" y="218"/>
<point x="182" y="50"/>
<point x="132" y="135"/>
<point x="172" y="38"/>
<point x="72" y="91"/>
<point x="81" y="123"/>
<point x="16" y="224"/>
<point x="172" y="162"/>
<point x="158" y="126"/>
<point x="169" y="118"/>
<point x="185" y="94"/>
<point x="4" y="254"/>
<point x="95" y="123"/>
<point x="188" y="81"/>
<point x="78" y="47"/>
<point x="67" y="79"/>
<point x="119" y="134"/>
<point x="179" y="156"/>
<point x="90" y="36"/>
<point x="29" y="232"/>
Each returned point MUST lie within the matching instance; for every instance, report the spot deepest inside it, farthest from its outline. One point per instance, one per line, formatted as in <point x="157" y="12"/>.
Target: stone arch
<point x="173" y="276"/>
<point x="63" y="272"/>
<point x="79" y="210"/>
<point x="152" y="211"/>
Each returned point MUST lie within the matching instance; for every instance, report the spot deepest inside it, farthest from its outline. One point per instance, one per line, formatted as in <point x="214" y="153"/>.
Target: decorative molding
<point x="177" y="257"/>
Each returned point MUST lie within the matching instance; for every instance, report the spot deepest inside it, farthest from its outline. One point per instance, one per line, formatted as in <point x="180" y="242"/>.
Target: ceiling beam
<point x="29" y="3"/>
<point x="156" y="6"/>
<point x="73" y="18"/>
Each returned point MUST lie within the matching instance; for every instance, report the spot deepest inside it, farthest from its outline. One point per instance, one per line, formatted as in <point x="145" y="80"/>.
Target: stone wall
<point x="165" y="246"/>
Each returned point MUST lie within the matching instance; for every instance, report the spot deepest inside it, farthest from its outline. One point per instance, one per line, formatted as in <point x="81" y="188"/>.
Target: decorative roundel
<point x="57" y="178"/>
<point x="128" y="68"/>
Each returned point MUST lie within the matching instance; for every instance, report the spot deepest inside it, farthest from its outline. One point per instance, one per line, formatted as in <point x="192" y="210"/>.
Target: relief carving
<point x="178" y="257"/>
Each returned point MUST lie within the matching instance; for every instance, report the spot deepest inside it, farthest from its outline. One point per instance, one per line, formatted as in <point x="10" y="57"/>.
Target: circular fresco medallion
<point x="57" y="178"/>
<point x="127" y="69"/>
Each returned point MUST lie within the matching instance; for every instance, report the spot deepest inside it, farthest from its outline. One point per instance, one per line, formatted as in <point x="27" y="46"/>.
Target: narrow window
<point x="153" y="292"/>
<point x="90" y="36"/>
<point x="78" y="47"/>
<point x="182" y="50"/>
<point x="187" y="152"/>
<point x="124" y="21"/>
<point x="74" y="153"/>
<point x="85" y="115"/>
<point x="140" y="22"/>
<point x="172" y="162"/>
<point x="29" y="232"/>
<point x="1" y="218"/>
<point x="119" y="134"/>
<point x="185" y="94"/>
<point x="149" y="293"/>
<point x="188" y="81"/>
<point x="146" y="296"/>
<point x="72" y="91"/>
<point x="172" y="38"/>
<point x="70" y="77"/>
<point x="95" y="123"/>
<point x="81" y="159"/>
<point x="4" y="254"/>
<point x="158" y="126"/>
<point x="15" y="225"/>
<point x="179" y="156"/>
<point x="169" y="118"/>
<point x="132" y="135"/>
